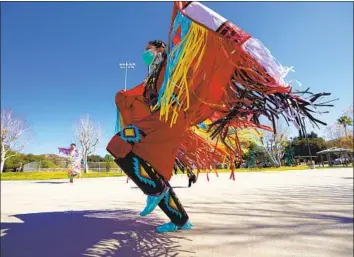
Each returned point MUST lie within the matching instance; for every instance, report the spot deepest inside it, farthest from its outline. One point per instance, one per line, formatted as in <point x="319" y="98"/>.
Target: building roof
<point x="335" y="150"/>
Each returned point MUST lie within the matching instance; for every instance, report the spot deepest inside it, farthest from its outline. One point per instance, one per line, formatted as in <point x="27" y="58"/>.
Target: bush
<point x="48" y="164"/>
<point x="109" y="165"/>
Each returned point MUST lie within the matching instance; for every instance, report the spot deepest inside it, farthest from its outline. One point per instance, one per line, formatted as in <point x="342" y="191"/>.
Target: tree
<point x="48" y="164"/>
<point x="345" y="121"/>
<point x="335" y="131"/>
<point x="336" y="137"/>
<point x="94" y="158"/>
<point x="108" y="158"/>
<point x="46" y="161"/>
<point x="13" y="134"/>
<point x="349" y="111"/>
<point x="109" y="161"/>
<point x="89" y="135"/>
<point x="32" y="158"/>
<point x="342" y="142"/>
<point x="17" y="160"/>
<point x="337" y="134"/>
<point x="275" y="144"/>
<point x="300" y="147"/>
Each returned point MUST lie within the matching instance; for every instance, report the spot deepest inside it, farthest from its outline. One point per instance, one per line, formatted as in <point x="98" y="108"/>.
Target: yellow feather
<point x="193" y="51"/>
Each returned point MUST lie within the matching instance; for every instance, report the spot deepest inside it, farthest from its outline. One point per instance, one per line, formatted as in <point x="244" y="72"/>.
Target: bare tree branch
<point x="13" y="132"/>
<point x="349" y="111"/>
<point x="275" y="144"/>
<point x="89" y="135"/>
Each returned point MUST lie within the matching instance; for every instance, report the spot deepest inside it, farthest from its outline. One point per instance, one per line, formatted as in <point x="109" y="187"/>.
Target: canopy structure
<point x="336" y="151"/>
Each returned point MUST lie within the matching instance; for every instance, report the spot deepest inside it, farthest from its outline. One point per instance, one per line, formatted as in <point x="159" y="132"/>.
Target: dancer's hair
<point x="150" y="81"/>
<point x="157" y="43"/>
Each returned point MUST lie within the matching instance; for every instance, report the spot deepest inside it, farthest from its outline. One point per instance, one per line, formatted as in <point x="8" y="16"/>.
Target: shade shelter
<point x="340" y="152"/>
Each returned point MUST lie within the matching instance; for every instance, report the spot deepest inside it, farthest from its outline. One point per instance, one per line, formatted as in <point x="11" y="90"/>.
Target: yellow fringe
<point x="194" y="49"/>
<point x="223" y="161"/>
<point x="121" y="123"/>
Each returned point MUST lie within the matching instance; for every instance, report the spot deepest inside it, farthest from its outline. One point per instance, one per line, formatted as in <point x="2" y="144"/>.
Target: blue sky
<point x="59" y="60"/>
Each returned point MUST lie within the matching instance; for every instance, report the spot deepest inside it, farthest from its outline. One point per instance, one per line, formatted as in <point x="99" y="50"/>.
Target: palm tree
<point x="345" y="121"/>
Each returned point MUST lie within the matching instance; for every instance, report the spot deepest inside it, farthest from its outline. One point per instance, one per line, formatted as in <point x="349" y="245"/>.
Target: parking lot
<point x="272" y="214"/>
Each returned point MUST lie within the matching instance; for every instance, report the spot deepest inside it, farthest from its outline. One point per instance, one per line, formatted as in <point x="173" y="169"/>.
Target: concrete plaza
<point x="269" y="214"/>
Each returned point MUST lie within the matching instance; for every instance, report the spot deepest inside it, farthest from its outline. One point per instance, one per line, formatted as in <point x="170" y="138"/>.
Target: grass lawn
<point x="284" y="169"/>
<point x="54" y="175"/>
<point x="92" y="174"/>
<point x="266" y="169"/>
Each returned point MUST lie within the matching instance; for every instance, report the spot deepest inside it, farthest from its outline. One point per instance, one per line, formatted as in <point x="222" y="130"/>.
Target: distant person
<point x="175" y="169"/>
<point x="192" y="178"/>
<point x="74" y="161"/>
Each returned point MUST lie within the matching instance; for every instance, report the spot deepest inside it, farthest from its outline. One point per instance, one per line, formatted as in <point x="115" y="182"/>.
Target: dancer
<point x="210" y="70"/>
<point x="139" y="164"/>
<point x="74" y="161"/>
<point x="192" y="178"/>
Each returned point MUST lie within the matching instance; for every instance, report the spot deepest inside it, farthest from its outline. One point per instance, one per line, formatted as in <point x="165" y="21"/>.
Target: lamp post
<point x="307" y="141"/>
<point x="126" y="65"/>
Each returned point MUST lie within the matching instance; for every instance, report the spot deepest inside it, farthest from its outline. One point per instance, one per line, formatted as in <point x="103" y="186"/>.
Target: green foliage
<point x="109" y="165"/>
<point x="32" y="158"/>
<point x="50" y="161"/>
<point x="300" y="147"/>
<point x="14" y="161"/>
<point x="251" y="148"/>
<point x="341" y="142"/>
<point x="48" y="164"/>
<point x="108" y="158"/>
<point x="95" y="158"/>
<point x="312" y="135"/>
<point x="345" y="121"/>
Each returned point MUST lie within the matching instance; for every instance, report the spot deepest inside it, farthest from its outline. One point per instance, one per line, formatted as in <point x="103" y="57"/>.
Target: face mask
<point x="148" y="57"/>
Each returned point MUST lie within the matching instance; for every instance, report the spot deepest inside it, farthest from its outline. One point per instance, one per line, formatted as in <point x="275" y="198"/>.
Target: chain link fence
<point x="104" y="166"/>
<point x="62" y="166"/>
<point x="32" y="166"/>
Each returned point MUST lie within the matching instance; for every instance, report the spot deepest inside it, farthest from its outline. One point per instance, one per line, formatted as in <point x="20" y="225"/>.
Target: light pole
<point x="307" y="140"/>
<point x="126" y="65"/>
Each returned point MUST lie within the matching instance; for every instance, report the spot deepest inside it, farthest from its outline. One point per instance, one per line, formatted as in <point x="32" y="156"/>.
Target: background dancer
<point x="74" y="159"/>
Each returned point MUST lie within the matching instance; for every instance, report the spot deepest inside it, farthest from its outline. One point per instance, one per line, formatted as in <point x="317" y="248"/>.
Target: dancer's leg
<point x="191" y="177"/>
<point x="152" y="184"/>
<point x="71" y="177"/>
<point x="190" y="181"/>
<point x="149" y="181"/>
<point x="142" y="174"/>
<point x="173" y="208"/>
<point x="145" y="178"/>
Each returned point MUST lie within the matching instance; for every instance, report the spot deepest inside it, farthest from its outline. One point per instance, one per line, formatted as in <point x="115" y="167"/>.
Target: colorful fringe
<point x="119" y="123"/>
<point x="221" y="80"/>
<point x="184" y="54"/>
<point x="198" y="47"/>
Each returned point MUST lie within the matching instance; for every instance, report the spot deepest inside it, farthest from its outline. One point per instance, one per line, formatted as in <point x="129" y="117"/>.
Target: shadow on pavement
<point x="87" y="233"/>
<point x="299" y="214"/>
<point x="135" y="187"/>
<point x="51" y="182"/>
